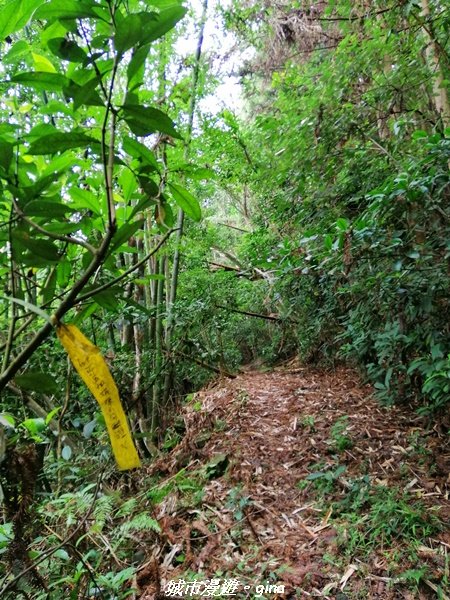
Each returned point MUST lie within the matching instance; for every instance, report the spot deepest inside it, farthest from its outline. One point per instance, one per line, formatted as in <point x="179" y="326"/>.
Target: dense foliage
<point x="349" y="181"/>
<point x="317" y="224"/>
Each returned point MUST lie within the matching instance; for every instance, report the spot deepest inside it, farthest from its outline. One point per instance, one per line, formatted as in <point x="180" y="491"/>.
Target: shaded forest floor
<point x="299" y="477"/>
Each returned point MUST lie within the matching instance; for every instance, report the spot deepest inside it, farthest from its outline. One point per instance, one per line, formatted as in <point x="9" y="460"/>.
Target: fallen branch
<point x="251" y="314"/>
<point x="207" y="366"/>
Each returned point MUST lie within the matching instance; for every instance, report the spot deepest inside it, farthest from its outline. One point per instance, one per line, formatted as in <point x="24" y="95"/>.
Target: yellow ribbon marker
<point x="93" y="370"/>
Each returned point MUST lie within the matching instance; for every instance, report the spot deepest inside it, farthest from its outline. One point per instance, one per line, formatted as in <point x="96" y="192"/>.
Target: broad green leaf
<point x="88" y="429"/>
<point x="342" y="224"/>
<point x="33" y="426"/>
<point x="124" y="233"/>
<point x="128" y="32"/>
<point x="143" y="203"/>
<point x="64" y="228"/>
<point x="39" y="247"/>
<point x="46" y="208"/>
<point x="6" y="154"/>
<point x="15" y="14"/>
<point x="67" y="49"/>
<point x="128" y="184"/>
<point x="61" y="553"/>
<point x="149" y="186"/>
<point x="54" y="107"/>
<point x="144" y="120"/>
<point x="48" y="291"/>
<point x="65" y="9"/>
<point x="29" y="306"/>
<point x="40" y="80"/>
<point x="143" y="28"/>
<point x="60" y="141"/>
<point x="42" y="64"/>
<point x="84" y="95"/>
<point x="186" y="201"/>
<point x="19" y="50"/>
<point x="37" y="382"/>
<point x="63" y="273"/>
<point x="136" y="305"/>
<point x="7" y="420"/>
<point x="136" y="67"/>
<point x="155" y="26"/>
<point x="60" y="164"/>
<point x="51" y="414"/>
<point x="35" y="190"/>
<point x="84" y="314"/>
<point x="85" y="199"/>
<point x="108" y="299"/>
<point x="138" y="150"/>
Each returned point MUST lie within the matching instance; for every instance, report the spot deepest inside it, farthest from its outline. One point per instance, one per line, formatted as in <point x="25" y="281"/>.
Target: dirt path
<point x="298" y="477"/>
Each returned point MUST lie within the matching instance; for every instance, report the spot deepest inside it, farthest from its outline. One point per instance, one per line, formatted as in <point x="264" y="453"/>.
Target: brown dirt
<point x="269" y="431"/>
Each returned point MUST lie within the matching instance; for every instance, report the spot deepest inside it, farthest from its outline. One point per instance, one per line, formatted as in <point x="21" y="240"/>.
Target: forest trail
<point x="307" y="481"/>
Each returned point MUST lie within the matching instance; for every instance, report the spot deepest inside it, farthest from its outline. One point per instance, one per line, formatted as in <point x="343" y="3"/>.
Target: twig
<point x="51" y="234"/>
<point x="207" y="366"/>
<point x="250" y="314"/>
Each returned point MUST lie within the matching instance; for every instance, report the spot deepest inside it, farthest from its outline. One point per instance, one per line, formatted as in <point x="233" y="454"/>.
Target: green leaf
<point x="15" y="14"/>
<point x="84" y="95"/>
<point x="48" y="291"/>
<point x="136" y="67"/>
<point x="36" y="381"/>
<point x="65" y="9"/>
<point x="124" y="233"/>
<point x="155" y="26"/>
<point x="34" y="427"/>
<point x="19" y="50"/>
<point x="108" y="299"/>
<point x="186" y="201"/>
<point x="142" y="28"/>
<point x="139" y="307"/>
<point x="6" y="154"/>
<point x="29" y="306"/>
<point x="67" y="49"/>
<point x="85" y="199"/>
<point x="149" y="187"/>
<point x="46" y="208"/>
<point x="342" y="224"/>
<point x="144" y="120"/>
<point x="138" y="150"/>
<point x="63" y="272"/>
<point x="61" y="553"/>
<point x="141" y="205"/>
<point x="51" y="414"/>
<point x="7" y="420"/>
<point x="41" y="248"/>
<point x="41" y="80"/>
<point x="42" y="64"/>
<point x="128" y="32"/>
<point x="59" y="142"/>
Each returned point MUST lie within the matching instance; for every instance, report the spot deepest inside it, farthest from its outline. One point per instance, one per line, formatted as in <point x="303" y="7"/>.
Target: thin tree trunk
<point x="158" y="346"/>
<point x="433" y="52"/>
<point x="180" y="219"/>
